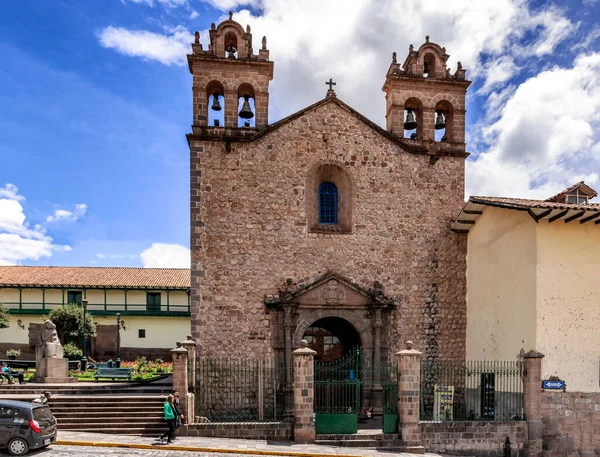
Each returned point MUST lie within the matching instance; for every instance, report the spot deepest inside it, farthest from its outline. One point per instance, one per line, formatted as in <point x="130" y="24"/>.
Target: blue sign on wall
<point x="553" y="385"/>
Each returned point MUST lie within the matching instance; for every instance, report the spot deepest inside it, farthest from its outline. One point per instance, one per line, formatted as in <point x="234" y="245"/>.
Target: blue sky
<point x="96" y="102"/>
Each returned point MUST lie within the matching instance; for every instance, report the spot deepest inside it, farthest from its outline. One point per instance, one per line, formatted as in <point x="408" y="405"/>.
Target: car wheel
<point x="18" y="446"/>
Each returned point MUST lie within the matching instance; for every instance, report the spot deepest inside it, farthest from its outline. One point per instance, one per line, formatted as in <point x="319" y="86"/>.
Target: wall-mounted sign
<point x="553" y="384"/>
<point x="442" y="402"/>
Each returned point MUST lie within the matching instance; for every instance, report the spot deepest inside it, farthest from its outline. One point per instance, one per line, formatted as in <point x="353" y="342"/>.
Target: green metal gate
<point x="339" y="387"/>
<point x="337" y="395"/>
<point x="387" y="372"/>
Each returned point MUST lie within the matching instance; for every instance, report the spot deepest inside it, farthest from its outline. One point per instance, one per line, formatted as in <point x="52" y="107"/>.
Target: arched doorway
<point x="332" y="338"/>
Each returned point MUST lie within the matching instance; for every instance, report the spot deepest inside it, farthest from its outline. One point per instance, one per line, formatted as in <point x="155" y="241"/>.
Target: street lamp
<point x="84" y="303"/>
<point x="118" y="340"/>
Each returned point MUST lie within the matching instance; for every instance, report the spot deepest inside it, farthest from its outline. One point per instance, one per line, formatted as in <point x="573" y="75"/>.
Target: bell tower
<point x="230" y="83"/>
<point x="425" y="102"/>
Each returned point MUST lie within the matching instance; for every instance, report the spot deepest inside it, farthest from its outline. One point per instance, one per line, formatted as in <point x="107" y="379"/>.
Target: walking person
<point x="169" y="412"/>
<point x="178" y="416"/>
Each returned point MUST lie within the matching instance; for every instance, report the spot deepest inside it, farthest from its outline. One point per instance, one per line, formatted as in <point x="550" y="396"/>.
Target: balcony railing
<point x="100" y="309"/>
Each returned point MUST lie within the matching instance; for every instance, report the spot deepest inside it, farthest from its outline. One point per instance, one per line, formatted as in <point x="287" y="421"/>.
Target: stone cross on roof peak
<point x="330" y="83"/>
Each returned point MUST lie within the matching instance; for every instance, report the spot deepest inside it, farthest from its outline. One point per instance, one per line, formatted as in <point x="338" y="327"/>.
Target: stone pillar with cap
<point x="190" y="345"/>
<point x="180" y="378"/>
<point x="304" y="382"/>
<point x="409" y="384"/>
<point x="532" y="398"/>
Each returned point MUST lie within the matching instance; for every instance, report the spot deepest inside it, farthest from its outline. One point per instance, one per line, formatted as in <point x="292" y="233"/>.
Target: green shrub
<point x="72" y="352"/>
<point x="159" y="361"/>
<point x="141" y="364"/>
<point x="69" y="322"/>
<point x="12" y="353"/>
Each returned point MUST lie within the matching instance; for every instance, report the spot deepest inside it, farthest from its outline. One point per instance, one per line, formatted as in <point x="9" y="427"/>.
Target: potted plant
<point x="12" y="354"/>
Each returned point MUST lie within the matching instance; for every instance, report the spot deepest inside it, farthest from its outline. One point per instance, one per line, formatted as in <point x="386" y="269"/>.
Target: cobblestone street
<point x="78" y="451"/>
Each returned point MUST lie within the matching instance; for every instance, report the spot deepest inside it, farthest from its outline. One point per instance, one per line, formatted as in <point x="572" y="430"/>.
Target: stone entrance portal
<point x="335" y="315"/>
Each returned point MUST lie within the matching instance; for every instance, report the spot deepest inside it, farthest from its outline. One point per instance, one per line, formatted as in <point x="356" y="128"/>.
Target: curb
<point x="200" y="449"/>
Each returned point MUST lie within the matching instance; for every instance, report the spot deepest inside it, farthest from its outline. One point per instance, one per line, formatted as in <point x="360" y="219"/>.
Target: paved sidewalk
<point x="222" y="445"/>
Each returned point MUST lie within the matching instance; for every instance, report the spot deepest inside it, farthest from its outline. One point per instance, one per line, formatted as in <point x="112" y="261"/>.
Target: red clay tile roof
<point x="134" y="278"/>
<point x="526" y="203"/>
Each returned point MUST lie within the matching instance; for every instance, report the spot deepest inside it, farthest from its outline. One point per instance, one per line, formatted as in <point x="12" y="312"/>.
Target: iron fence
<point x="471" y="390"/>
<point x="242" y="390"/>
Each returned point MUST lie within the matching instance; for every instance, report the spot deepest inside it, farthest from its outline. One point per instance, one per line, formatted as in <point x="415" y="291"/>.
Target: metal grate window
<point x="327" y="203"/>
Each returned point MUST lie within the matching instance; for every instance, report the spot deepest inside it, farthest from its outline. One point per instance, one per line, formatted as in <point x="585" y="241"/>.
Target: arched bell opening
<point x="231" y="45"/>
<point x="443" y="122"/>
<point x="246" y="106"/>
<point x="413" y="119"/>
<point x="332" y="338"/>
<point x="215" y="104"/>
<point x="429" y="65"/>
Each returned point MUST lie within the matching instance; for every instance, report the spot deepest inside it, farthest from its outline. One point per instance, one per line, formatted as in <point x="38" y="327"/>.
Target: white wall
<point x="501" y="277"/>
<point x="568" y="303"/>
<point x="161" y="332"/>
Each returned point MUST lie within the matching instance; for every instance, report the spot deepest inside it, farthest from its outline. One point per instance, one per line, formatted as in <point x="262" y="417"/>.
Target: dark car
<point x="25" y="426"/>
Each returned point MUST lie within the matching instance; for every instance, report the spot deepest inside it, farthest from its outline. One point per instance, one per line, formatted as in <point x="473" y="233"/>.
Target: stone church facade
<point x="272" y="263"/>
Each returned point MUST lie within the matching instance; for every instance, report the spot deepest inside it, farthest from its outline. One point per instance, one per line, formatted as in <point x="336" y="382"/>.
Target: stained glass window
<point x="327" y="203"/>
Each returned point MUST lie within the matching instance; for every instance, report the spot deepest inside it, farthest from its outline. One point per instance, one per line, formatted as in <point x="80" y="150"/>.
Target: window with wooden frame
<point x="74" y="296"/>
<point x="577" y="198"/>
<point x="153" y="301"/>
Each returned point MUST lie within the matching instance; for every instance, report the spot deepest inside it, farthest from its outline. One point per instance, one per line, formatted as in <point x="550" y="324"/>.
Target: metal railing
<point x="471" y="390"/>
<point x="242" y="390"/>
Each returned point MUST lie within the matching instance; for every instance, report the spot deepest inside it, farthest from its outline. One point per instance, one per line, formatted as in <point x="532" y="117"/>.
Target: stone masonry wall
<point x="273" y="431"/>
<point x="481" y="439"/>
<point x="571" y="424"/>
<point x="249" y="232"/>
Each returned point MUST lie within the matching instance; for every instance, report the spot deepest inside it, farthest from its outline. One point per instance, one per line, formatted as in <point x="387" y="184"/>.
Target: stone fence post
<point x="532" y="399"/>
<point x="190" y="346"/>
<point x="304" y="382"/>
<point x="180" y="381"/>
<point x="409" y="385"/>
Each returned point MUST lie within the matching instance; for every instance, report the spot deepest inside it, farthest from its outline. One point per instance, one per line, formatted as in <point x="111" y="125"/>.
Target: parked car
<point x="25" y="426"/>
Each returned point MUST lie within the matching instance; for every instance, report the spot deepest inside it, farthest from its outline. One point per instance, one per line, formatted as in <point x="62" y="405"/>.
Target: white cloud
<point x="18" y="240"/>
<point x="169" y="49"/>
<point x="352" y="42"/>
<point x="161" y="255"/>
<point x="63" y="215"/>
<point x="11" y="192"/>
<point x="498" y="72"/>
<point x="545" y="138"/>
<point x="194" y="14"/>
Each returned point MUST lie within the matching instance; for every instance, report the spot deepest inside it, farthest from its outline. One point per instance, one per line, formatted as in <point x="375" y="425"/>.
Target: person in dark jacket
<point x="169" y="413"/>
<point x="178" y="416"/>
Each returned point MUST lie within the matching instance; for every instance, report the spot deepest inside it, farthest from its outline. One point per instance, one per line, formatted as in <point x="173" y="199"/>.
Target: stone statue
<point x="49" y="342"/>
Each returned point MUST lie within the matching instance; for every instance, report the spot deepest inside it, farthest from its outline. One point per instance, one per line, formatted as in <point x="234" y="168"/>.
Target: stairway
<point x="122" y="414"/>
<point x="119" y="407"/>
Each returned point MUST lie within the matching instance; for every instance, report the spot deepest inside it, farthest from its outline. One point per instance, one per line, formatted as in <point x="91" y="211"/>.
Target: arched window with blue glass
<point x="328" y="203"/>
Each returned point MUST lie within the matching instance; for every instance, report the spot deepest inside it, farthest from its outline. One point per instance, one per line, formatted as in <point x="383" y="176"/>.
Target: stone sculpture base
<point x="52" y="370"/>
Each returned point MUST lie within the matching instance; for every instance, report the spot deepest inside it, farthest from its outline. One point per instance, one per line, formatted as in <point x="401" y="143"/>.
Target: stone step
<point x="128" y="419"/>
<point x="68" y="414"/>
<point x="363" y="435"/>
<point x="113" y="424"/>
<point x="137" y="431"/>
<point x="364" y="443"/>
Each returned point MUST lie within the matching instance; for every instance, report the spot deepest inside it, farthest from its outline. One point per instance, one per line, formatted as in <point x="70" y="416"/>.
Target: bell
<point x="216" y="106"/>
<point x="246" y="112"/>
<point x="410" y="123"/>
<point x="440" y="122"/>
